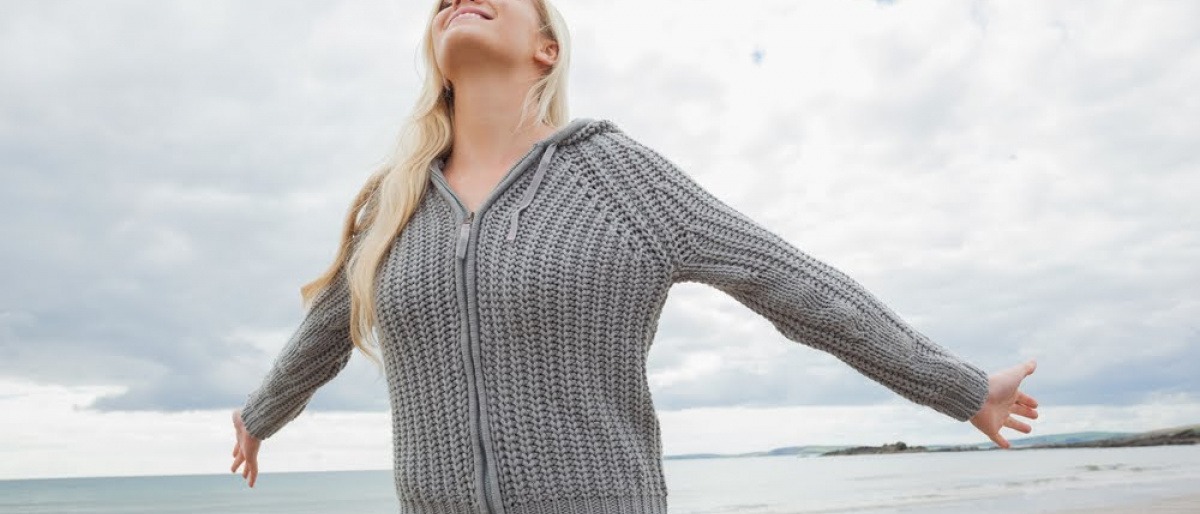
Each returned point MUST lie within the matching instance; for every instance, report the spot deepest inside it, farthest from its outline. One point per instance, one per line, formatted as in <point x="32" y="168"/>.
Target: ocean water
<point x="978" y="482"/>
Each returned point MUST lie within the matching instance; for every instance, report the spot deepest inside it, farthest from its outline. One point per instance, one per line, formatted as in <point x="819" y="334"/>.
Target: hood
<point x="577" y="130"/>
<point x="574" y="132"/>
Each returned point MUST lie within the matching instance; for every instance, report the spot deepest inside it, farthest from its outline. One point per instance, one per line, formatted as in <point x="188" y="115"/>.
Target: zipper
<point x="464" y="233"/>
<point x="460" y="251"/>
<point x="461" y="245"/>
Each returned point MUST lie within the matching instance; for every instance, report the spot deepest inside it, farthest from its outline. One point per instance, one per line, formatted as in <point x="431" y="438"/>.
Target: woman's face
<point x="495" y="33"/>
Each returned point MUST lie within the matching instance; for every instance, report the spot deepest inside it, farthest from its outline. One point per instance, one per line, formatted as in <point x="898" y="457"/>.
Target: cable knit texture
<point x="515" y="337"/>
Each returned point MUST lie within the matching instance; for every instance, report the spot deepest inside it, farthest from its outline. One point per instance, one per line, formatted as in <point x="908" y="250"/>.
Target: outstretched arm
<point x="316" y="352"/>
<point x="808" y="301"/>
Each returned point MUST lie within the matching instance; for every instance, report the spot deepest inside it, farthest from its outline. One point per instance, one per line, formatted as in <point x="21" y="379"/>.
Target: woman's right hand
<point x="245" y="449"/>
<point x="1004" y="400"/>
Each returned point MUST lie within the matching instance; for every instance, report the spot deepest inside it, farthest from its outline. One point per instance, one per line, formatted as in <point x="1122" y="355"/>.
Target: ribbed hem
<point x="964" y="397"/>
<point x="607" y="505"/>
<point x="424" y="507"/>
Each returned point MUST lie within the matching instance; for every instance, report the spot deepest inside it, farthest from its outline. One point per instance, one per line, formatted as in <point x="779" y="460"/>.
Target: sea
<point x="997" y="481"/>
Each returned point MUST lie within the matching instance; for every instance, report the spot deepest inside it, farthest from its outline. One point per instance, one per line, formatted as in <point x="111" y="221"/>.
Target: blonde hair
<point x="391" y="194"/>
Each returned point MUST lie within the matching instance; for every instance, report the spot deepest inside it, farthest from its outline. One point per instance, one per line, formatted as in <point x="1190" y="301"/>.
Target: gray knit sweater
<point x="515" y="337"/>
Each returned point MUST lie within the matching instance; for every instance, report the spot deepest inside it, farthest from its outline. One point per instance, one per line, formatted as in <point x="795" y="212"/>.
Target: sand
<point x="1186" y="504"/>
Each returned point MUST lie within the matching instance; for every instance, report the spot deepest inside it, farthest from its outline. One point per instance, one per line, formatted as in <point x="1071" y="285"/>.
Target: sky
<point x="1016" y="179"/>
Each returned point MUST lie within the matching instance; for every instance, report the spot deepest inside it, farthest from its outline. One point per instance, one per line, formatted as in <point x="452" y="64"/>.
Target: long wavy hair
<point x="391" y="194"/>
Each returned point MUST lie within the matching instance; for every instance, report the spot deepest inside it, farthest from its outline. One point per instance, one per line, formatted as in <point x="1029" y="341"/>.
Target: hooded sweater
<point x="515" y="337"/>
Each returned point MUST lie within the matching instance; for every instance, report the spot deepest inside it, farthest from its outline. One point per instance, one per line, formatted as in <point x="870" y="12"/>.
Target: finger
<point x="1017" y="425"/>
<point x="237" y="448"/>
<point x="999" y="440"/>
<point x="1025" y="399"/>
<point x="237" y="461"/>
<point x="1030" y="367"/>
<point x="251" y="466"/>
<point x="254" y="474"/>
<point x="1022" y="410"/>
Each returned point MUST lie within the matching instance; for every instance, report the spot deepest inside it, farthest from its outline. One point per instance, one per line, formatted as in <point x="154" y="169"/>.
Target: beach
<point x="1184" y="504"/>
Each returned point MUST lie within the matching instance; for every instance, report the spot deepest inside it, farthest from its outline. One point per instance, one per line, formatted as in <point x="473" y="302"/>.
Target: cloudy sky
<point x="1016" y="179"/>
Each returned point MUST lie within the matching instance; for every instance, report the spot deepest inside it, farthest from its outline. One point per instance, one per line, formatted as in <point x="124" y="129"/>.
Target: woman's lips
<point x="467" y="15"/>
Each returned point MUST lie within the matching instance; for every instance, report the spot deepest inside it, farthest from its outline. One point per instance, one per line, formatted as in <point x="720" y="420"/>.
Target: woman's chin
<point x="470" y="44"/>
<point x="463" y="36"/>
<point x="472" y="26"/>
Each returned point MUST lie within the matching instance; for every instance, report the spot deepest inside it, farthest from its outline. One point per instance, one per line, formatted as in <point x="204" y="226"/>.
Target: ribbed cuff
<point x="255" y="421"/>
<point x="965" y="396"/>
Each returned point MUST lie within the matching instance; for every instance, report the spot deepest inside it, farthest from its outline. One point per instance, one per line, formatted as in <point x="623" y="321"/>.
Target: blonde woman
<point x="510" y="264"/>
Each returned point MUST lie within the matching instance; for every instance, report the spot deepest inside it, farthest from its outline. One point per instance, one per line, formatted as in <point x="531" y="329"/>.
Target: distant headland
<point x="1186" y="434"/>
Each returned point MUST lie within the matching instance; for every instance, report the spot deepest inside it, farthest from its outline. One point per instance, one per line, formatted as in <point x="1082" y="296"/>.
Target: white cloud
<point x="53" y="436"/>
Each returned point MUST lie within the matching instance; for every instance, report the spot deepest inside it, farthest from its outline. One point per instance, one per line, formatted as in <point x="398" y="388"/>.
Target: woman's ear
<point x="547" y="53"/>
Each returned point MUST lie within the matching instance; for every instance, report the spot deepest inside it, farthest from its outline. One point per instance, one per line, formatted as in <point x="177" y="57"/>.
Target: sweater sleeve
<point x="316" y="352"/>
<point x="808" y="301"/>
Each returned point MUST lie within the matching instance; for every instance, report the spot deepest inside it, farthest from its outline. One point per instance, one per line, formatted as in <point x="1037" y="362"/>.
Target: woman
<point x="511" y="264"/>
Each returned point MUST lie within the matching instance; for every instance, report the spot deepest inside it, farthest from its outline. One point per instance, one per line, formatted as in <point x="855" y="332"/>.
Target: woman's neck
<point x="487" y="108"/>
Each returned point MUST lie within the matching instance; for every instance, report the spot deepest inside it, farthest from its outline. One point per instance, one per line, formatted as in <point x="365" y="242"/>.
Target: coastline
<point x="1186" y="503"/>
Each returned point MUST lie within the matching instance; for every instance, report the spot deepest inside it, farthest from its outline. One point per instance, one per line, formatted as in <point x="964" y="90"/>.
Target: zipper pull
<point x="464" y="231"/>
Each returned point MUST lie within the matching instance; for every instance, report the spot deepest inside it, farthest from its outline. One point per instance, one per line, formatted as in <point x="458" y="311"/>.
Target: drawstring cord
<point x="528" y="198"/>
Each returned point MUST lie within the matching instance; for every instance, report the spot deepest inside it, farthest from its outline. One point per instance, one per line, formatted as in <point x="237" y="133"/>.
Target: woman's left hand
<point x="1004" y="400"/>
